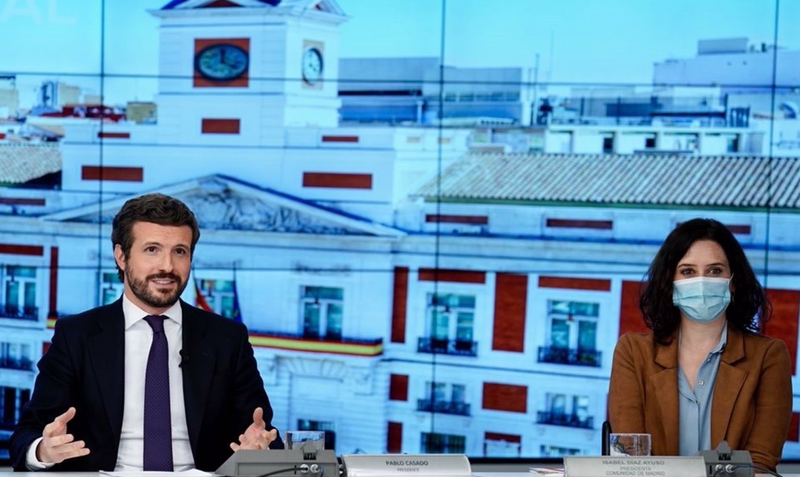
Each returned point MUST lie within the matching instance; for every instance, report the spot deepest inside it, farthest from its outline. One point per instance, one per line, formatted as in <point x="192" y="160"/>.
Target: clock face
<point x="312" y="65"/>
<point x="221" y="62"/>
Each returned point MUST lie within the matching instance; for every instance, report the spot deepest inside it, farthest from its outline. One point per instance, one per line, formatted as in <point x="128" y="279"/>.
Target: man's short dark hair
<point x="154" y="208"/>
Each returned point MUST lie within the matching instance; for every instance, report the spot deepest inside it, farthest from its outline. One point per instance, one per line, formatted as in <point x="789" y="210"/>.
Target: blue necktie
<point x="157" y="422"/>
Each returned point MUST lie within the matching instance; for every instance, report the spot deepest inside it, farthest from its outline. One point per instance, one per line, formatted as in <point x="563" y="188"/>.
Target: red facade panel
<point x="14" y="249"/>
<point x="220" y="126"/>
<point x="333" y="180"/>
<point x="113" y="135"/>
<point x="53" y="296"/>
<point x="794" y="428"/>
<point x="457" y="219"/>
<point x="453" y="276"/>
<point x="498" y="436"/>
<point x="398" y="387"/>
<point x="510" y="299"/>
<point x="630" y="317"/>
<point x="21" y="201"/>
<point x="580" y="224"/>
<point x="505" y="397"/>
<point x="109" y="173"/>
<point x="785" y="314"/>
<point x="575" y="283"/>
<point x="394" y="444"/>
<point x="345" y="139"/>
<point x="399" y="304"/>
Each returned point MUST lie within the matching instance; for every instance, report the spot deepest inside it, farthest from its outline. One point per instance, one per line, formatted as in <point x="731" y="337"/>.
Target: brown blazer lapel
<point x="665" y="384"/>
<point x="728" y="385"/>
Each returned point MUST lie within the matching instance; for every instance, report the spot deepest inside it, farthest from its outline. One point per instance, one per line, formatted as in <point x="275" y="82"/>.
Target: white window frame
<point x="322" y="303"/>
<point x="574" y="323"/>
<point x="24" y="283"/>
<point x="214" y="298"/>
<point x="118" y="287"/>
<point x="452" y="315"/>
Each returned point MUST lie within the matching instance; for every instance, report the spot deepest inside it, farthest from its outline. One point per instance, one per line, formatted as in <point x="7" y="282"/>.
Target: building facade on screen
<point x="407" y="288"/>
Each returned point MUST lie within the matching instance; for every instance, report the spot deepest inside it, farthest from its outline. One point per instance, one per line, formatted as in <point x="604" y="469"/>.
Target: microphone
<point x="605" y="434"/>
<point x="184" y="358"/>
<point x="723" y="461"/>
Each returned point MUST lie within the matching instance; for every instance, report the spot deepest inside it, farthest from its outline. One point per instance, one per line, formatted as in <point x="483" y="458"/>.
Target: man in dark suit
<point x="148" y="382"/>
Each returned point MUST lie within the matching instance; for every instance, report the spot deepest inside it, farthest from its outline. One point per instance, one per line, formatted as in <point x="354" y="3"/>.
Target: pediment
<point x="223" y="203"/>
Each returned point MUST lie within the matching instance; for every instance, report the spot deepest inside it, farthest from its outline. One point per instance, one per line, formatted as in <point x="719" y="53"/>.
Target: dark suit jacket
<point x="84" y="368"/>
<point x="751" y="407"/>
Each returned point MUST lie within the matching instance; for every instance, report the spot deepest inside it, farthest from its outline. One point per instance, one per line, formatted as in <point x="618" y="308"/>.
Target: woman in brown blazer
<point x="703" y="374"/>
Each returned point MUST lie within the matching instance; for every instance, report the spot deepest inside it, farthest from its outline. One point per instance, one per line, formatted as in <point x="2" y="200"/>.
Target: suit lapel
<point x="728" y="385"/>
<point x="107" y="354"/>
<point x="665" y="384"/>
<point x="199" y="347"/>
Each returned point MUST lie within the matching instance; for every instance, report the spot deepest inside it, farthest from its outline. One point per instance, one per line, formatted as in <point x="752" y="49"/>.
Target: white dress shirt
<point x="138" y="338"/>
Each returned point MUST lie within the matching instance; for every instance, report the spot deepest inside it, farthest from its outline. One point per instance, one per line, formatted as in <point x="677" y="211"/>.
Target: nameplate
<point x="437" y="465"/>
<point x="613" y="466"/>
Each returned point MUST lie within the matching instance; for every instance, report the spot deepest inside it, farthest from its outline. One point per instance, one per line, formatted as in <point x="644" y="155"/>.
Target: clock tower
<point x="247" y="68"/>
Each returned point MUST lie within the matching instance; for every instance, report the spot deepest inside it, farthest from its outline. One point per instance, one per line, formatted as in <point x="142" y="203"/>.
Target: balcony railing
<point x="303" y="342"/>
<point x="566" y="420"/>
<point x="13" y="363"/>
<point x="17" y="312"/>
<point x="443" y="407"/>
<point x="443" y="346"/>
<point x="578" y="357"/>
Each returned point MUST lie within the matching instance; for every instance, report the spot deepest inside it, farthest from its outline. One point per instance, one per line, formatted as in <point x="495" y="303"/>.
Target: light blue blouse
<point x="695" y="406"/>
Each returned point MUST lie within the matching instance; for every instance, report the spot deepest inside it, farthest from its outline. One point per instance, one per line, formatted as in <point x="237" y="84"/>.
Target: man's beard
<point x="155" y="299"/>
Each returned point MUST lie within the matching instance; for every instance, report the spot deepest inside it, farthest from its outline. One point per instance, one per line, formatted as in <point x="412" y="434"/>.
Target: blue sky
<point x="576" y="40"/>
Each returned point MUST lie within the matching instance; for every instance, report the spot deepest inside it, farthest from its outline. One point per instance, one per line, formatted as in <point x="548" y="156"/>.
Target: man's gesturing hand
<point x="256" y="436"/>
<point x="56" y="445"/>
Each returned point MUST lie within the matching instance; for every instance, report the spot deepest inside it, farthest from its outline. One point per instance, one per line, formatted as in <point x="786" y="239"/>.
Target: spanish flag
<point x="200" y="300"/>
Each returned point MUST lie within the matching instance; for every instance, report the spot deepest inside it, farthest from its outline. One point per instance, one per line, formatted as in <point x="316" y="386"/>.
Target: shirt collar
<point x="723" y="340"/>
<point x="133" y="313"/>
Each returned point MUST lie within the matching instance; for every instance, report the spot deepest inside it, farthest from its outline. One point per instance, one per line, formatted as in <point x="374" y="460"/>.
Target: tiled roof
<point x="607" y="179"/>
<point x="175" y="3"/>
<point x="20" y="163"/>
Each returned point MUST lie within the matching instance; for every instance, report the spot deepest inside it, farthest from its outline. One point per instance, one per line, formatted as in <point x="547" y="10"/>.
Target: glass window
<point x="559" y="333"/>
<point x="112" y="287"/>
<point x="323" y="312"/>
<point x="573" y="325"/>
<point x="555" y="451"/>
<point x="558" y="403"/>
<point x="451" y="317"/>
<point x="219" y="295"/>
<point x="587" y="335"/>
<point x="434" y="443"/>
<point x="580" y="406"/>
<point x="459" y="393"/>
<point x="20" y="292"/>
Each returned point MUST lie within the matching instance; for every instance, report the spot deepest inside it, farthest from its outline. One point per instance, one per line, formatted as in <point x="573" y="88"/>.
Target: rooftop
<point x="23" y="162"/>
<point x="621" y="180"/>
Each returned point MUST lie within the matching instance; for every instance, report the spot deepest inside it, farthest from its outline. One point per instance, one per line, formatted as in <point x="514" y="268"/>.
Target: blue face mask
<point x="702" y="299"/>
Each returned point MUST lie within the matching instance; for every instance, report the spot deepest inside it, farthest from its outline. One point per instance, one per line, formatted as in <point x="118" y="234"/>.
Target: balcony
<point x="565" y="420"/>
<point x="23" y="364"/>
<point x="444" y="346"/>
<point x="577" y="357"/>
<point x="29" y="313"/>
<point x="315" y="344"/>
<point x="443" y="407"/>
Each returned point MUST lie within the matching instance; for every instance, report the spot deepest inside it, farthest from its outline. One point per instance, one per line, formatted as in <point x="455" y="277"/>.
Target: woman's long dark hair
<point x="749" y="309"/>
